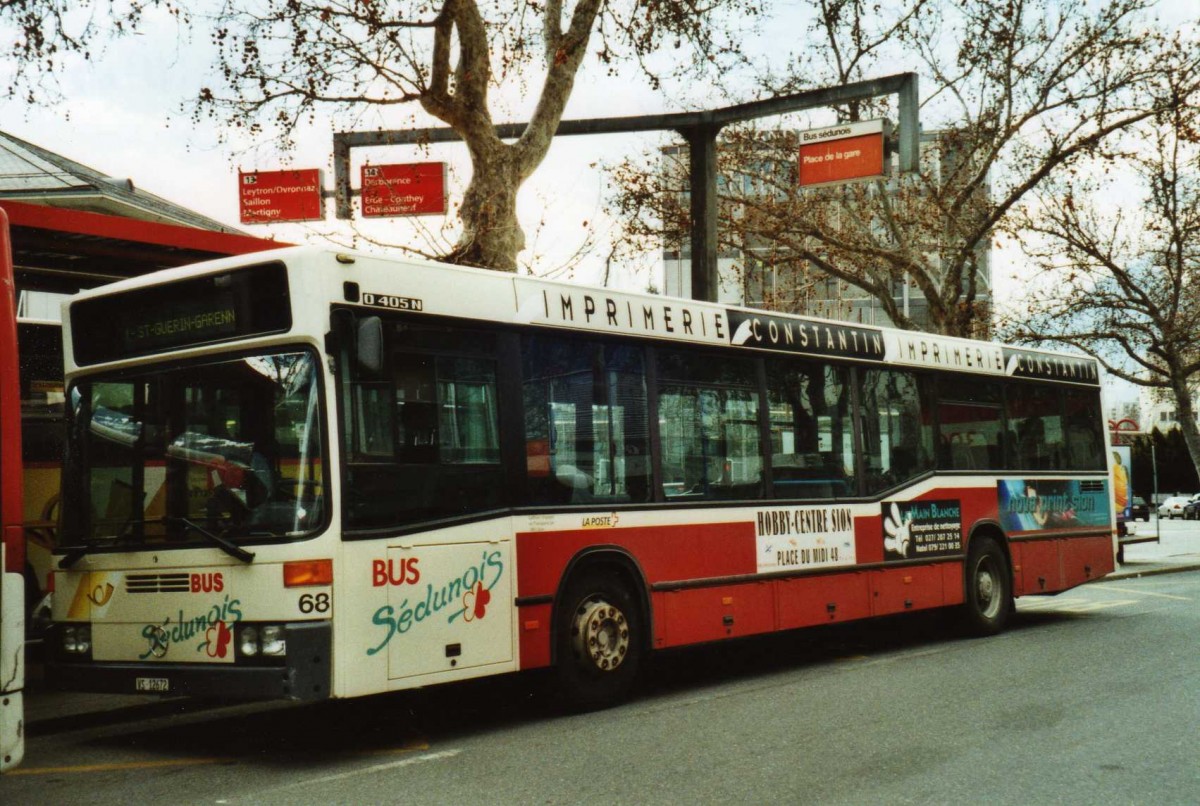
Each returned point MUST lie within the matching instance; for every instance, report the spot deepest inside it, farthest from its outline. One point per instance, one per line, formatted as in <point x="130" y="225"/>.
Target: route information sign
<point x="417" y="188"/>
<point x="843" y="153"/>
<point x="267" y="197"/>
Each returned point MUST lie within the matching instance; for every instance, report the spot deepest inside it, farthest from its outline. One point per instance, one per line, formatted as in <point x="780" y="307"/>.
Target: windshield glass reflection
<point x="232" y="446"/>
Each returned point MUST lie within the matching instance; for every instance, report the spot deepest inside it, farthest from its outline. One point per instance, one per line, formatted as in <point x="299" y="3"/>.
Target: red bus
<point x="12" y="550"/>
<point x="43" y="434"/>
<point x="313" y="474"/>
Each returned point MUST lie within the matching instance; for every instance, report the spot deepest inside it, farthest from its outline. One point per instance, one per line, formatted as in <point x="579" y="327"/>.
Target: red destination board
<point x="270" y="196"/>
<point x="841" y="154"/>
<point x="417" y="188"/>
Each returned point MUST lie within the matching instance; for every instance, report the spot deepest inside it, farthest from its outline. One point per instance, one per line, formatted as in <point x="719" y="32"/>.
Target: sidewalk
<point x="1178" y="549"/>
<point x="49" y="712"/>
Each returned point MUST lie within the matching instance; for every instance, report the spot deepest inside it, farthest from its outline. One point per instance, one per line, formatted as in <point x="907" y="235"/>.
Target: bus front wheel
<point x="599" y="640"/>
<point x="988" y="595"/>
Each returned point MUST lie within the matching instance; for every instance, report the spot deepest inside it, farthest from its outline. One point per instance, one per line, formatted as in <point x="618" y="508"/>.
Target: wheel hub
<point x="986" y="587"/>
<point x="600" y="635"/>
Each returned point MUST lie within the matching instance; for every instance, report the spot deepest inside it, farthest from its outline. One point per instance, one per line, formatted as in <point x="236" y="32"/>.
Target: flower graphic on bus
<point x="475" y="602"/>
<point x="217" y="638"/>
<point x="898" y="532"/>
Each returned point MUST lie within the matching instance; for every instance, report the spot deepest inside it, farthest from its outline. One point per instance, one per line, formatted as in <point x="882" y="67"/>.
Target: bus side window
<point x="585" y="421"/>
<point x="970" y="424"/>
<point x="812" y="434"/>
<point x="427" y="431"/>
<point x="1085" y="440"/>
<point x="374" y="437"/>
<point x="896" y="427"/>
<point x="1035" y="417"/>
<point x="708" y="415"/>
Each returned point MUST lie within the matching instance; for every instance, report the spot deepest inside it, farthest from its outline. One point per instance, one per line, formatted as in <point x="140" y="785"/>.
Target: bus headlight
<point x="77" y="639"/>
<point x="266" y="641"/>
<point x="273" y="642"/>
<point x="249" y="641"/>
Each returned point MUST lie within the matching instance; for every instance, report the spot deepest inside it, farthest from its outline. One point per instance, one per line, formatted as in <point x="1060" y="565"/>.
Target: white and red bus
<point x="57" y="251"/>
<point x="311" y="474"/>
<point x="12" y="535"/>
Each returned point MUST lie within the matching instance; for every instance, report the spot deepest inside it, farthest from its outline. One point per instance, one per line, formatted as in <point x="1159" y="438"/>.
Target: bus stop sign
<point x="417" y="188"/>
<point x="843" y="153"/>
<point x="268" y="197"/>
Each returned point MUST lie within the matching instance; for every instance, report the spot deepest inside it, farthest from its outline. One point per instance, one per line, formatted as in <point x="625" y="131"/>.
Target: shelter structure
<point x="74" y="227"/>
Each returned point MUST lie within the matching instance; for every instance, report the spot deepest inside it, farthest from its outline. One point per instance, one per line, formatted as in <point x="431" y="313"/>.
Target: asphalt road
<point x="1091" y="697"/>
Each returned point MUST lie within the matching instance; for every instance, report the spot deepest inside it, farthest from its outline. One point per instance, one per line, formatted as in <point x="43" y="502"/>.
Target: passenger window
<point x="970" y="424"/>
<point x="1035" y="427"/>
<point x="1085" y="441"/>
<point x="812" y="434"/>
<point x="708" y="421"/>
<point x="425" y="429"/>
<point x="586" y="434"/>
<point x="896" y="429"/>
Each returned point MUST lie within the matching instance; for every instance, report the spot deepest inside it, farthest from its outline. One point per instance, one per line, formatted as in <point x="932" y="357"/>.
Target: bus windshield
<point x="178" y="454"/>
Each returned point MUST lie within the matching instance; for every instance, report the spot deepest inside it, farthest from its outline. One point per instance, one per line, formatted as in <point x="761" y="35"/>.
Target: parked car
<point x="1172" y="507"/>
<point x="1139" y="510"/>
<point x="1191" y="510"/>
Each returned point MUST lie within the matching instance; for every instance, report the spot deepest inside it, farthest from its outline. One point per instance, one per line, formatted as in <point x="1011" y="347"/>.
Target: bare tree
<point x="1021" y="92"/>
<point x="1120" y="253"/>
<point x="280" y="61"/>
<point x="46" y="34"/>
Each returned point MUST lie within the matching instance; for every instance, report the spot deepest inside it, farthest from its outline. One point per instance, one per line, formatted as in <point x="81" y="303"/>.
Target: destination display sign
<point x="268" y="197"/>
<point x="203" y="310"/>
<point x="417" y="188"/>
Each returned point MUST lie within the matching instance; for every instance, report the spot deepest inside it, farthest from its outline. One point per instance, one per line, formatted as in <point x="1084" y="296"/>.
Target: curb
<point x="1151" y="572"/>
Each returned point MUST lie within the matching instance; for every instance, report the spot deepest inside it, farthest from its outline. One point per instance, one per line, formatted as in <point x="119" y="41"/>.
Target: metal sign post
<point x="699" y="129"/>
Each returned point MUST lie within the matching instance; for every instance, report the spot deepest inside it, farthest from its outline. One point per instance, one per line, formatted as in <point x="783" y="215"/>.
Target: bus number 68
<point x="318" y="602"/>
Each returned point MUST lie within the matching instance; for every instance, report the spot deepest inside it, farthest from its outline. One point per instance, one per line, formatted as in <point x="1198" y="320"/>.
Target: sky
<point x="124" y="113"/>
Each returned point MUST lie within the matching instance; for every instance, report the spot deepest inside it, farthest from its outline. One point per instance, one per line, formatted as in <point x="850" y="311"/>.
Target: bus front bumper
<point x="303" y="675"/>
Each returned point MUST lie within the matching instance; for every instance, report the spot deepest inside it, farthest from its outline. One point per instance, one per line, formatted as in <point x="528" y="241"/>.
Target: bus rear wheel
<point x="599" y="641"/>
<point x="988" y="594"/>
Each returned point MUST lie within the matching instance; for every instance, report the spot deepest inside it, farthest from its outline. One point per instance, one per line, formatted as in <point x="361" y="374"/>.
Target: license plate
<point x="152" y="684"/>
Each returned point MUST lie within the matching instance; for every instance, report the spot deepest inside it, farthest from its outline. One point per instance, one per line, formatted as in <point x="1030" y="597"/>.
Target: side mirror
<point x="369" y="352"/>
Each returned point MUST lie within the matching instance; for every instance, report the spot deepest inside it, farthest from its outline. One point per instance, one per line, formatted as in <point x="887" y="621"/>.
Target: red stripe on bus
<point x="680" y="551"/>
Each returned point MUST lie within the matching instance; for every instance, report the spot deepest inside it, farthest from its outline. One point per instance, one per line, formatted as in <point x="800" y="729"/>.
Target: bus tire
<point x="988" y="598"/>
<point x="599" y="640"/>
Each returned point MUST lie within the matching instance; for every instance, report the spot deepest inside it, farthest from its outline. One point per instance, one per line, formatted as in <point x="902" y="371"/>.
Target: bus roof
<point x="406" y="284"/>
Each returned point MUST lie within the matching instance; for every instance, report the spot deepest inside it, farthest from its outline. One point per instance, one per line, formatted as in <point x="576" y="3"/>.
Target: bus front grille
<point x="157" y="583"/>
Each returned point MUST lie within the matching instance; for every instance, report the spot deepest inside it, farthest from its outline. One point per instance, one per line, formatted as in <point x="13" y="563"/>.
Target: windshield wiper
<point x="218" y="539"/>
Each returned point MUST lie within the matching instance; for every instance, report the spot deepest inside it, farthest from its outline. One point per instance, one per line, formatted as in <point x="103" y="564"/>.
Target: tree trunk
<point x="1187" y="416"/>
<point x="491" y="236"/>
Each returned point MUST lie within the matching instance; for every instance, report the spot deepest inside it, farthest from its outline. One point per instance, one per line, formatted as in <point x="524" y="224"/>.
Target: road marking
<point x="391" y="765"/>
<point x="196" y="762"/>
<point x="1076" y="605"/>
<point x="1087" y="607"/>
<point x="1140" y="592"/>
<point x="126" y="765"/>
<point x="1040" y="604"/>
